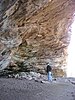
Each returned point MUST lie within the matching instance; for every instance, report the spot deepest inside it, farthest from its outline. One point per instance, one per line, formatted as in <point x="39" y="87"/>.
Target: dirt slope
<point x="14" y="89"/>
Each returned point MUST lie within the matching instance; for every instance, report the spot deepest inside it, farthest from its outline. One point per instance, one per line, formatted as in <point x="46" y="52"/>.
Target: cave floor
<point x="22" y="89"/>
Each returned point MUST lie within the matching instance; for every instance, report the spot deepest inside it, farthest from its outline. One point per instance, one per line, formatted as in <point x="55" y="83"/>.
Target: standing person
<point x="49" y="69"/>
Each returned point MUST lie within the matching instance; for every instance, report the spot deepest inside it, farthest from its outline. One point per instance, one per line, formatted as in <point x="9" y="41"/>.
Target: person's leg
<point x="49" y="76"/>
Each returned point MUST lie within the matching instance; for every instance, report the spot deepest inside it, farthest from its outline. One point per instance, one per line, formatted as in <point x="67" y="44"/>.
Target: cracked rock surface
<point x="35" y="32"/>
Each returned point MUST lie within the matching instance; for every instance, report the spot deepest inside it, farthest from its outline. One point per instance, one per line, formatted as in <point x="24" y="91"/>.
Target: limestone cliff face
<point x="35" y="32"/>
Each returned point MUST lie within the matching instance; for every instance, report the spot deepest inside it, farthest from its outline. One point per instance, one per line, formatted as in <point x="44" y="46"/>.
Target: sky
<point x="71" y="53"/>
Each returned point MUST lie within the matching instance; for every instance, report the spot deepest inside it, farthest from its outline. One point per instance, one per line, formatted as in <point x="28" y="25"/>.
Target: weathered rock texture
<point x="35" y="32"/>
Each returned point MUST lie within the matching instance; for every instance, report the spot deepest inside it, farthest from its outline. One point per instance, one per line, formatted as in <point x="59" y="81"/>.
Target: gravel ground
<point x="22" y="89"/>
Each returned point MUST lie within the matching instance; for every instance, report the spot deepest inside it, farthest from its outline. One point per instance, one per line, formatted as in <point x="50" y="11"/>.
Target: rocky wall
<point x="34" y="33"/>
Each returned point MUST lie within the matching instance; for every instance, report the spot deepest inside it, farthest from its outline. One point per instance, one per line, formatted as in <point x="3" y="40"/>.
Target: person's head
<point x="48" y="64"/>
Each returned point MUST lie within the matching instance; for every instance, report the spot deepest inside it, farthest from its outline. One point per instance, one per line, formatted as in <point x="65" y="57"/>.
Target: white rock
<point x="17" y="76"/>
<point x="34" y="74"/>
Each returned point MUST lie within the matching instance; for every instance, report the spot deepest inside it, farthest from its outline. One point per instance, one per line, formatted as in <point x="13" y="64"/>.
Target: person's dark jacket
<point x="49" y="68"/>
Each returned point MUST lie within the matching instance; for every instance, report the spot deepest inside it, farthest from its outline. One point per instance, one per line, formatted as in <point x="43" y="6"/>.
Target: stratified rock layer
<point x="35" y="32"/>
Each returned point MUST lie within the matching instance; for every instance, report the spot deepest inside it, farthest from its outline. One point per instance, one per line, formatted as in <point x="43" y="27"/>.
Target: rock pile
<point x="29" y="76"/>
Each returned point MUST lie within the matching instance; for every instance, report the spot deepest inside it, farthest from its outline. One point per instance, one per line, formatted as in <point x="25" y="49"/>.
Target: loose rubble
<point x="29" y="76"/>
<point x="37" y="77"/>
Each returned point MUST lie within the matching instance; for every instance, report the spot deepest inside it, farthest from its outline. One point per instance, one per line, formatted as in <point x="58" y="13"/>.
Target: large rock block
<point x="35" y="32"/>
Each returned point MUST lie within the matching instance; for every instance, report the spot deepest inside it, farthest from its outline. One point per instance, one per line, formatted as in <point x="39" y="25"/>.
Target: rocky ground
<point x="27" y="88"/>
